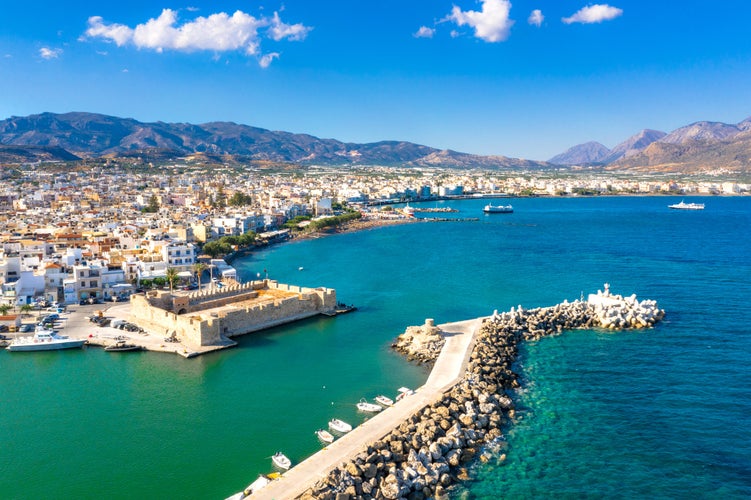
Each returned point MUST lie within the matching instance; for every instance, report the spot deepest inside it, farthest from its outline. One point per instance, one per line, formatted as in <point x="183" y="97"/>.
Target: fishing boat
<point x="281" y="460"/>
<point x="122" y="346"/>
<point x="44" y="340"/>
<point x="384" y="400"/>
<point x="339" y="425"/>
<point x="404" y="392"/>
<point x="687" y="206"/>
<point x="498" y="209"/>
<point x="325" y="436"/>
<point x="363" y="405"/>
<point x="253" y="487"/>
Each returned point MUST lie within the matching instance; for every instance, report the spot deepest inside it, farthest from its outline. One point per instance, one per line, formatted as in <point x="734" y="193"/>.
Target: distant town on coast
<point x="144" y="217"/>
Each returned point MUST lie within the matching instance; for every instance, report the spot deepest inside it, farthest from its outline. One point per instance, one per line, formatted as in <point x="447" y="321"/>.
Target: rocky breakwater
<point x="420" y="343"/>
<point x="429" y="452"/>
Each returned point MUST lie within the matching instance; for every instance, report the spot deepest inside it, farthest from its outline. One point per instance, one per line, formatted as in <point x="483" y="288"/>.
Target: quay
<point x="447" y="371"/>
<point x="420" y="446"/>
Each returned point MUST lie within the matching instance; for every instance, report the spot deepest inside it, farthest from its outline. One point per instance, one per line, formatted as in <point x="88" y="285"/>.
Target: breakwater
<point x="427" y="453"/>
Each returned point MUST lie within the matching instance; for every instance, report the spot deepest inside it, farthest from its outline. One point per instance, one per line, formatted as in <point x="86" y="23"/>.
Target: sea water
<point x="661" y="413"/>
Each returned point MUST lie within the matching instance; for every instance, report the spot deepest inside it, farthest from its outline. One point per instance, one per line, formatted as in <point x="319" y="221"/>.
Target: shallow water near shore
<point x="662" y="413"/>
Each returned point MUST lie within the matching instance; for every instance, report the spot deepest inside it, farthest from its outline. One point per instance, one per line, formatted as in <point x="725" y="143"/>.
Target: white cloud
<point x="424" y="32"/>
<point x="293" y="32"/>
<point x="218" y="32"/>
<point x="266" y="59"/>
<point x="491" y="24"/>
<point x="594" y="14"/>
<point x="48" y="53"/>
<point x="536" y="18"/>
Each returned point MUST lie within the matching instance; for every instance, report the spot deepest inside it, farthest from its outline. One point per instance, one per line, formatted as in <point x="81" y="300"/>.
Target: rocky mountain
<point x="91" y="135"/>
<point x="582" y="154"/>
<point x="34" y="154"/>
<point x="633" y="145"/>
<point x="701" y="131"/>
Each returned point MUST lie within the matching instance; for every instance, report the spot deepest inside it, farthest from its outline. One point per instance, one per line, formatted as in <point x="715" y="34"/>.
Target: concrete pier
<point x="448" y="370"/>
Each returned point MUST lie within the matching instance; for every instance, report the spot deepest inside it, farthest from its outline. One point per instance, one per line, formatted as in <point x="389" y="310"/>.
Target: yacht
<point x="687" y="206"/>
<point x="44" y="340"/>
<point x="498" y="209"/>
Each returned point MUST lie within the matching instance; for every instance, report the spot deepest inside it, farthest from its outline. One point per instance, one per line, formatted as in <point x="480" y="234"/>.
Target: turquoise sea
<point x="663" y="413"/>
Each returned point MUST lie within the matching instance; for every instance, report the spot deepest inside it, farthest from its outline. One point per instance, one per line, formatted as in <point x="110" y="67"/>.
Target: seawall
<point x="418" y="450"/>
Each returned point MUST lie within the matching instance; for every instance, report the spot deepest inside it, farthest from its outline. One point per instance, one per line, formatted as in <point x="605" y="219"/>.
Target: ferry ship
<point x="687" y="206"/>
<point x="498" y="209"/>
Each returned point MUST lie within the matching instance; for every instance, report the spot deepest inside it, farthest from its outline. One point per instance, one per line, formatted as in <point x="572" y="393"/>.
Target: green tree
<point x="26" y="309"/>
<point x="199" y="268"/>
<point x="4" y="308"/>
<point x="172" y="278"/>
<point x="153" y="205"/>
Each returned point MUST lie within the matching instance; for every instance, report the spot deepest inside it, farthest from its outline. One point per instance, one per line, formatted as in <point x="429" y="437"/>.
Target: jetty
<point x="422" y="445"/>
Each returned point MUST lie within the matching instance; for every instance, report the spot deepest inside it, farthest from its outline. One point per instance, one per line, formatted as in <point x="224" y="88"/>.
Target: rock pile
<point x="427" y="453"/>
<point x="420" y="343"/>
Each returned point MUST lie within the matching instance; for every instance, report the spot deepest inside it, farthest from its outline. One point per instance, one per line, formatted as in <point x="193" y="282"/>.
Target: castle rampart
<point x="210" y="317"/>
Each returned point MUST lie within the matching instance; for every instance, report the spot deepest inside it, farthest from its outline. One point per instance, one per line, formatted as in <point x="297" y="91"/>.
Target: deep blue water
<point x="662" y="413"/>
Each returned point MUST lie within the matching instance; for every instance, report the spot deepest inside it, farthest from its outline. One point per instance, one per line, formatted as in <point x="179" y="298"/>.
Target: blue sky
<point x="526" y="78"/>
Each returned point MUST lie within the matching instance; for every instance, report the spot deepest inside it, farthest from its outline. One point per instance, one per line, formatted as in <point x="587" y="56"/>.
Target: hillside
<point x="93" y="135"/>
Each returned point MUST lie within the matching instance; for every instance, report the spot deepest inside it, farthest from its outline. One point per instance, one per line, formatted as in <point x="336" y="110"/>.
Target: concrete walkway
<point x="448" y="369"/>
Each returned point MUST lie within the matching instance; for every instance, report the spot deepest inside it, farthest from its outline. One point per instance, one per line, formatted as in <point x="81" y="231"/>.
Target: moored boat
<point x="325" y="436"/>
<point x="363" y="405"/>
<point x="281" y="460"/>
<point x="384" y="400"/>
<point x="687" y="206"/>
<point x="123" y="347"/>
<point x="44" y="340"/>
<point x="339" y="425"/>
<point x="404" y="392"/>
<point x="498" y="209"/>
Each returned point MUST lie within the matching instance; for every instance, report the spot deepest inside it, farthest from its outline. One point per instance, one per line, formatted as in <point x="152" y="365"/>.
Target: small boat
<point x="325" y="436"/>
<point x="121" y="346"/>
<point x="687" y="206"/>
<point x="339" y="425"/>
<point x="498" y="209"/>
<point x="44" y="340"/>
<point x="384" y="400"/>
<point x="404" y="392"/>
<point x="281" y="460"/>
<point x="363" y="405"/>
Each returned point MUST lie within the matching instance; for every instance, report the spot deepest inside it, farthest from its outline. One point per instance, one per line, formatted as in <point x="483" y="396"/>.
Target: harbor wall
<point x="432" y="448"/>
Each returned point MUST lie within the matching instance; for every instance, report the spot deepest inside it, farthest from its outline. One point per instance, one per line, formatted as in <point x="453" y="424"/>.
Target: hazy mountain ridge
<point x="90" y="134"/>
<point x="582" y="154"/>
<point x="697" y="147"/>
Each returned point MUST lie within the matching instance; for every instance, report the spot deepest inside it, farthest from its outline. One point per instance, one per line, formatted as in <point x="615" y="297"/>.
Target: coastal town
<point x="99" y="234"/>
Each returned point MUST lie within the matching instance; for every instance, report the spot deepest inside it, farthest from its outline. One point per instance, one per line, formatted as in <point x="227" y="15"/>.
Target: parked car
<point x="3" y="328"/>
<point x="26" y="328"/>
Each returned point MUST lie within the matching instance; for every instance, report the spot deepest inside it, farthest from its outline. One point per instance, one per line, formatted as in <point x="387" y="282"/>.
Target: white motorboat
<point x="363" y="405"/>
<point x="339" y="425"/>
<point x="251" y="488"/>
<point x="325" y="436"/>
<point x="404" y="392"/>
<point x="44" y="340"/>
<point x="281" y="460"/>
<point x="384" y="400"/>
<point x="687" y="206"/>
<point x="498" y="209"/>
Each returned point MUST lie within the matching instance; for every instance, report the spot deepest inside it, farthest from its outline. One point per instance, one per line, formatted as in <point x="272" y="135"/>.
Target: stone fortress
<point x="210" y="317"/>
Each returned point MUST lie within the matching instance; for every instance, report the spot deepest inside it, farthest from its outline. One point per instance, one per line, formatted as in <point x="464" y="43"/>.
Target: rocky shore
<point x="428" y="452"/>
<point x="422" y="343"/>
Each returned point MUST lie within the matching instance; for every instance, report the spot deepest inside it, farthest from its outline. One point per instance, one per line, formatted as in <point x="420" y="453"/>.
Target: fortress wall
<point x="202" y="327"/>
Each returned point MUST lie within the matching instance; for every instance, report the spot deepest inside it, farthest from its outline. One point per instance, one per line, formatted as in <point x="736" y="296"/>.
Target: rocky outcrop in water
<point x="420" y="343"/>
<point x="428" y="453"/>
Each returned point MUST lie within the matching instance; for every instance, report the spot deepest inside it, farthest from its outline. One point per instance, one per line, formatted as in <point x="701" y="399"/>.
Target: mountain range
<point x="698" y="147"/>
<point x="49" y="136"/>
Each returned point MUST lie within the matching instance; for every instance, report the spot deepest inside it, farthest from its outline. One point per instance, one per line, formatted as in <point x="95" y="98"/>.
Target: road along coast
<point x="418" y="448"/>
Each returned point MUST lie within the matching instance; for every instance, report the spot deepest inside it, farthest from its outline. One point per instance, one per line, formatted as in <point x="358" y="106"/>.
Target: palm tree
<point x="172" y="278"/>
<point x="199" y="268"/>
<point x="4" y="308"/>
<point x="26" y="309"/>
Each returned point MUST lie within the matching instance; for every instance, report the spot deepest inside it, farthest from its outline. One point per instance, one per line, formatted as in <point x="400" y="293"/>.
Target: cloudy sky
<point x="522" y="78"/>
